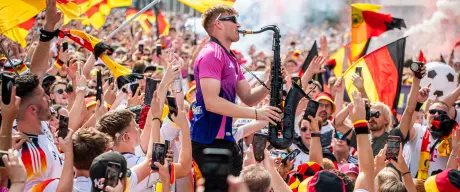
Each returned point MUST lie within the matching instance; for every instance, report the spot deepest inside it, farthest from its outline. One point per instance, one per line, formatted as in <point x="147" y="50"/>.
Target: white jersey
<point x="149" y="182"/>
<point x="301" y="158"/>
<point x="83" y="184"/>
<point x="412" y="149"/>
<point x="41" y="158"/>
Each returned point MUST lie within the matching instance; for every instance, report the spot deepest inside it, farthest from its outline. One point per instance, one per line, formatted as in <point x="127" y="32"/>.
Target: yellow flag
<point x="15" y="12"/>
<point x="202" y="5"/>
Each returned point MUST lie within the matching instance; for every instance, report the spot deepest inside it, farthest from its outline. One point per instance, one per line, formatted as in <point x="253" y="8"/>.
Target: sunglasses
<point x="343" y="137"/>
<point x="303" y="129"/>
<point x="229" y="18"/>
<point x="375" y="114"/>
<point x="60" y="91"/>
<point x="457" y="104"/>
<point x="434" y="111"/>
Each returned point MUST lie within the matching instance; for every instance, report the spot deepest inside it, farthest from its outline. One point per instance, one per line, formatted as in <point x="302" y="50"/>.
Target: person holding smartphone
<point x="217" y="71"/>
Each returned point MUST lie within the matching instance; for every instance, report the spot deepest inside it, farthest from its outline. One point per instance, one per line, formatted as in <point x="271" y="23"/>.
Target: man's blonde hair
<point x="386" y="112"/>
<point x="211" y="14"/>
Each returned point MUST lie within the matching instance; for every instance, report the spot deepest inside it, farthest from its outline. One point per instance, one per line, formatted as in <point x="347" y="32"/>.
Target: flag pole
<point x="126" y="22"/>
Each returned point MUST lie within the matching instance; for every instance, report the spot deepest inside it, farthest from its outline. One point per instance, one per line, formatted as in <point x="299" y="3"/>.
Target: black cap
<point x="98" y="167"/>
<point x="150" y="68"/>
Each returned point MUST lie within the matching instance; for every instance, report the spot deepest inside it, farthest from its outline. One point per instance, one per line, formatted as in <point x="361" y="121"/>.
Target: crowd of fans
<point x="343" y="148"/>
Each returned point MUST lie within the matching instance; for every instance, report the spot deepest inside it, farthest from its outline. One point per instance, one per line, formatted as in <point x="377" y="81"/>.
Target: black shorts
<point x="236" y="160"/>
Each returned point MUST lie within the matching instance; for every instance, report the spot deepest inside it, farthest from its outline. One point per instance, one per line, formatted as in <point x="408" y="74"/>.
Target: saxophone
<point x="281" y="135"/>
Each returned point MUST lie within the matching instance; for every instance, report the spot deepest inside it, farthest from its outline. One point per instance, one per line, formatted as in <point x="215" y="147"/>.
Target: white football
<point x="442" y="77"/>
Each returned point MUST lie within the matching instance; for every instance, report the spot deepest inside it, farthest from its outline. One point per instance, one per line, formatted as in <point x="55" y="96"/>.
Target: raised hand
<point x="14" y="167"/>
<point x="9" y="111"/>
<point x="156" y="109"/>
<point x="380" y="161"/>
<point x="136" y="99"/>
<point x="357" y="81"/>
<point x="249" y="157"/>
<point x="400" y="165"/>
<point x="423" y="94"/>
<point x="315" y="66"/>
<point x="66" y="143"/>
<point x="52" y="15"/>
<point x="18" y="139"/>
<point x="323" y="49"/>
<point x="172" y="71"/>
<point x="358" y="112"/>
<point x="339" y="84"/>
<point x="110" y="94"/>
<point x="181" y="119"/>
<point x="314" y="123"/>
<point x="268" y="113"/>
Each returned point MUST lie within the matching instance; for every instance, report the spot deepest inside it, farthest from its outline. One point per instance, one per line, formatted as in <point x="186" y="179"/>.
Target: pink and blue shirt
<point x="214" y="61"/>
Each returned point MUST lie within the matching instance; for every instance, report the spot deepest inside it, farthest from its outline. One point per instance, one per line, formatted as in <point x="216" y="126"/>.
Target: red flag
<point x="421" y="57"/>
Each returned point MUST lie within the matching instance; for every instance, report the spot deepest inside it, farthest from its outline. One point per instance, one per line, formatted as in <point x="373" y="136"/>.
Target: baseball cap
<point x="323" y="181"/>
<point x="349" y="168"/>
<point x="150" y="68"/>
<point x="327" y="97"/>
<point x="98" y="167"/>
<point x="448" y="180"/>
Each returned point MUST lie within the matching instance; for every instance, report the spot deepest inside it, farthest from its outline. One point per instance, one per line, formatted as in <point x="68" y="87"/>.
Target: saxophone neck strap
<point x="229" y="52"/>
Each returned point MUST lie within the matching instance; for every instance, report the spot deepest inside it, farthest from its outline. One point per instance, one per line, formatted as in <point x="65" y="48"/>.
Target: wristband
<point x="418" y="106"/>
<point x="402" y="175"/>
<point x="108" y="107"/>
<point x="156" y="118"/>
<point x="172" y="173"/>
<point x="359" y="121"/>
<point x="361" y="128"/>
<point x="46" y="36"/>
<point x="256" y="113"/>
<point x="315" y="134"/>
<point x="58" y="64"/>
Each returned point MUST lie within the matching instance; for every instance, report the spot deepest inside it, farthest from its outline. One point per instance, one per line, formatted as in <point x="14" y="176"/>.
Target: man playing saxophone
<point x="219" y="80"/>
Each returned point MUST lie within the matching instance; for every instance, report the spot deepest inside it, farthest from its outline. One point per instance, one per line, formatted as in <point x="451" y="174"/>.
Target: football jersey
<point x="41" y="158"/>
<point x="149" y="182"/>
<point x="81" y="184"/>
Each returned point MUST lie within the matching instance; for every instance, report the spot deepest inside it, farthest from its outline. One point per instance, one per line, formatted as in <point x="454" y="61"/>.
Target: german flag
<point x="367" y="23"/>
<point x="19" y="33"/>
<point x="15" y="12"/>
<point x="202" y="5"/>
<point x="95" y="16"/>
<point x="340" y="60"/>
<point x="381" y="72"/>
<point x="162" y="24"/>
<point x="145" y="19"/>
<point x="311" y="54"/>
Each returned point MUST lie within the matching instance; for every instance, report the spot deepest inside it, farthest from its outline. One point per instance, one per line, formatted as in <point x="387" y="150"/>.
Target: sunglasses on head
<point x="229" y="18"/>
<point x="434" y="111"/>
<point x="375" y="114"/>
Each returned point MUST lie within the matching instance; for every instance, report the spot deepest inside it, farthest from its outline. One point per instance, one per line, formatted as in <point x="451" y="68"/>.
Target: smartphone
<point x="259" y="143"/>
<point x="172" y="105"/>
<point x="359" y="71"/>
<point x="312" y="108"/>
<point x="167" y="146"/>
<point x="158" y="49"/>
<point x="63" y="127"/>
<point x="368" y="111"/>
<point x="158" y="154"/>
<point x="1" y="156"/>
<point x="112" y="174"/>
<point x="216" y="168"/>
<point x="65" y="46"/>
<point x="7" y="87"/>
<point x="150" y="87"/>
<point x="109" y="80"/>
<point x="133" y="87"/>
<point x="291" y="156"/>
<point x="141" y="48"/>
<point x="98" y="85"/>
<point x="393" y="147"/>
